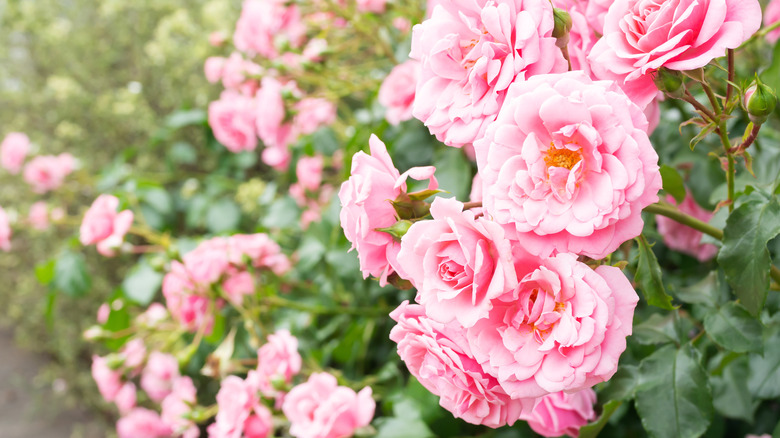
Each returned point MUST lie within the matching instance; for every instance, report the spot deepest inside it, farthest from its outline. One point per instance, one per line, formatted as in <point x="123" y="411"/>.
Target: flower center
<point x="562" y="157"/>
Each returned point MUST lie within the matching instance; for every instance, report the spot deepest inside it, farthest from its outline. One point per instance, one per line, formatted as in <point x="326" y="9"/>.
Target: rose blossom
<point x="238" y="284"/>
<point x="594" y="11"/>
<point x="278" y="359"/>
<point x="159" y="374"/>
<point x="365" y="206"/>
<point x="771" y="16"/>
<point x="457" y="263"/>
<point x="308" y="170"/>
<point x="142" y="423"/>
<point x="102" y="225"/>
<point x="313" y="112"/>
<point x="125" y="398"/>
<point x="185" y="305"/>
<point x="265" y="23"/>
<point x="568" y="163"/>
<point x="562" y="328"/>
<point x="177" y="404"/>
<point x="397" y="91"/>
<point x="39" y="215"/>
<point x="319" y="408"/>
<point x="683" y="238"/>
<point x="470" y="52"/>
<point x="104" y="311"/>
<point x="48" y="172"/>
<point x="235" y="400"/>
<point x="108" y="381"/>
<point x="232" y="118"/>
<point x="270" y="113"/>
<point x="13" y="151"/>
<point x="377" y="6"/>
<point x="235" y="72"/>
<point x="438" y="356"/>
<point x="213" y="68"/>
<point x="562" y="414"/>
<point x="5" y="231"/>
<point x="641" y="36"/>
<point x="260" y="424"/>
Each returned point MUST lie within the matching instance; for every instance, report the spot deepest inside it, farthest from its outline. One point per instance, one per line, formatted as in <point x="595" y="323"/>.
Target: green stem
<point x="760" y="34"/>
<point x="729" y="87"/>
<point x="277" y="301"/>
<point x="672" y="212"/>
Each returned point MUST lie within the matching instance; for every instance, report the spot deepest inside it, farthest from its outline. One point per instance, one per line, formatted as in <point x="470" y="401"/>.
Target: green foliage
<point x="70" y="274"/>
<point x="142" y="283"/>
<point x="649" y="276"/>
<point x="732" y="327"/>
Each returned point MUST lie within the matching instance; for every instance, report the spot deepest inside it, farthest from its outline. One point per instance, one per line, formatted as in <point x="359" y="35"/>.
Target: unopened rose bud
<point x="670" y="82"/>
<point x="398" y="229"/>
<point x="93" y="333"/>
<point x="760" y="101"/>
<point x="562" y="27"/>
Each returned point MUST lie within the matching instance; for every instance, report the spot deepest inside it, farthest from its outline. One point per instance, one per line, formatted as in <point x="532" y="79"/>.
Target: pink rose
<point x="279" y="358"/>
<point x="238" y="284"/>
<point x="159" y="374"/>
<point x="134" y="353"/>
<point x="104" y="311"/>
<point x="437" y="355"/>
<point x="153" y="315"/>
<point x="312" y="113"/>
<point x="365" y="207"/>
<point x="265" y="23"/>
<point x="126" y="397"/>
<point x="581" y="41"/>
<point x="397" y="91"/>
<point x="13" y="151"/>
<point x="102" y="225"/>
<point x="108" y="381"/>
<point x="39" y="215"/>
<point x="213" y="68"/>
<point x="235" y="399"/>
<point x="177" y="405"/>
<point x="142" y="423"/>
<point x="232" y="118"/>
<point x="685" y="239"/>
<point x="458" y="264"/>
<point x="315" y="49"/>
<point x="377" y="6"/>
<point x="641" y="36"/>
<point x="185" y="305"/>
<point x="562" y="414"/>
<point x="48" y="172"/>
<point x="217" y="38"/>
<point x="470" y="52"/>
<point x="260" y="424"/>
<point x="207" y="263"/>
<point x="319" y="408"/>
<point x="771" y="16"/>
<point x="235" y="72"/>
<point x="569" y="165"/>
<point x="261" y="251"/>
<point x="271" y="113"/>
<point x="402" y="24"/>
<point x="309" y="172"/>
<point x="593" y="10"/>
<point x="562" y="328"/>
<point x="5" y="231"/>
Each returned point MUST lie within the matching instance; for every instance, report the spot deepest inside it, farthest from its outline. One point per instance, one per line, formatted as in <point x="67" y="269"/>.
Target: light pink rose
<point x="278" y="157"/>
<point x="185" y="305"/>
<point x="5" y="231"/>
<point x="315" y="49"/>
<point x="437" y="355"/>
<point x="232" y="118"/>
<point x="271" y="113"/>
<point x="377" y="6"/>
<point x="13" y="151"/>
<point x="207" y="263"/>
<point x="159" y="374"/>
<point x="104" y="311"/>
<point x="102" y="225"/>
<point x="771" y="16"/>
<point x="397" y="91"/>
<point x="402" y="24"/>
<point x="308" y="170"/>
<point x="458" y="264"/>
<point x="265" y="23"/>
<point x="213" y="68"/>
<point x="365" y="207"/>
<point x="685" y="239"/>
<point x="278" y="359"/>
<point x="238" y="284"/>
<point x="177" y="405"/>
<point x="142" y="423"/>
<point x="641" y="36"/>
<point x="312" y="113"/>
<point x="39" y="215"/>
<point x="594" y="11"/>
<point x="562" y="328"/>
<point x="470" y="52"/>
<point x="217" y="38"/>
<point x="260" y="424"/>
<point x="125" y="398"/>
<point x="319" y="408"/>
<point x="261" y="251"/>
<point x="562" y="414"/>
<point x="653" y="113"/>
<point x="569" y="165"/>
<point x="47" y="172"/>
<point x="235" y="399"/>
<point x="108" y="381"/>
<point x="236" y="71"/>
<point x="581" y="41"/>
<point x="134" y="353"/>
<point x="152" y="315"/>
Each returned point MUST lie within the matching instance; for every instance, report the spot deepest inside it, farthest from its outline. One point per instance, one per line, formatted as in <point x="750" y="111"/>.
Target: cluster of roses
<point x="509" y="323"/>
<point x="44" y="173"/>
<point x="217" y="269"/>
<point x="309" y="192"/>
<point x="266" y="103"/>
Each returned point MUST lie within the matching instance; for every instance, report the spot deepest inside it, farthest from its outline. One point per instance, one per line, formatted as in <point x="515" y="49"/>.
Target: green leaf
<point x="283" y="213"/>
<point x="744" y="256"/>
<point x="733" y="328"/>
<point x="183" y="153"/>
<point x="771" y="76"/>
<point x="648" y="275"/>
<point x="223" y="215"/>
<point x="44" y="272"/>
<point x="70" y="274"/>
<point x="453" y="172"/>
<point x="142" y="283"/>
<point x="674" y="399"/>
<point x="730" y="394"/>
<point x="592" y="430"/>
<point x="764" y="376"/>
<point x="622" y="385"/>
<point x="657" y="329"/>
<point x="402" y="428"/>
<point x="673" y="183"/>
<point x="186" y="117"/>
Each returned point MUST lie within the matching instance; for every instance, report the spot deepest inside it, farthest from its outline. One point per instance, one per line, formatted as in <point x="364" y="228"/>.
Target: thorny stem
<point x="688" y="97"/>
<point x="729" y="87"/>
<point x="748" y="141"/>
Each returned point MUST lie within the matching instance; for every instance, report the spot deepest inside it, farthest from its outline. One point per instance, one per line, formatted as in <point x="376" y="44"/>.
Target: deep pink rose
<point x="569" y="165"/>
<point x="47" y="172"/>
<point x="683" y="238"/>
<point x="108" y="381"/>
<point x="438" y="356"/>
<point x="319" y="408"/>
<point x="312" y="113"/>
<point x="308" y="170"/>
<point x="13" y="151"/>
<point x="641" y="36"/>
<point x="470" y="52"/>
<point x="397" y="91"/>
<point x="142" y="423"/>
<point x="232" y="118"/>
<point x="235" y="399"/>
<point x="104" y="226"/>
<point x="562" y="328"/>
<point x="457" y="263"/>
<point x="5" y="231"/>
<point x="260" y="424"/>
<point x="365" y="207"/>
<point x="159" y="374"/>
<point x="771" y="16"/>
<point x="39" y="215"/>
<point x="562" y="414"/>
<point x="265" y="23"/>
<point x="177" y="405"/>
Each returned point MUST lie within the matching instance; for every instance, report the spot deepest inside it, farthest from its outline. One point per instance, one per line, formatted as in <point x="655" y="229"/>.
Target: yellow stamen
<point x="562" y="158"/>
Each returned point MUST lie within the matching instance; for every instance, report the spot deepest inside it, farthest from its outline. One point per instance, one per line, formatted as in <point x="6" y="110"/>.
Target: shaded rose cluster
<point x="104" y="226"/>
<point x="221" y="263"/>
